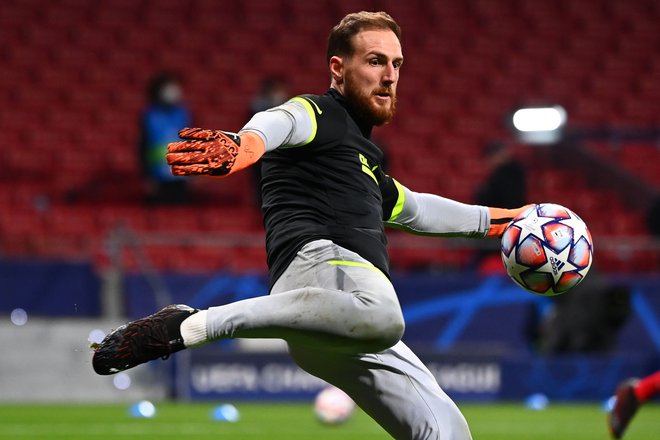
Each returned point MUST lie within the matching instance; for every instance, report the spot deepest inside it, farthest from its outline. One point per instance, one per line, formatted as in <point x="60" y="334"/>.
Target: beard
<point x="365" y="109"/>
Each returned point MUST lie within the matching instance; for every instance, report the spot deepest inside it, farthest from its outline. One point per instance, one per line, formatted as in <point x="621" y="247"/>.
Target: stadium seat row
<point x="74" y="74"/>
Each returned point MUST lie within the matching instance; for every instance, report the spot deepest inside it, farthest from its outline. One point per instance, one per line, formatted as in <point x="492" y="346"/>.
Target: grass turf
<point x="296" y="421"/>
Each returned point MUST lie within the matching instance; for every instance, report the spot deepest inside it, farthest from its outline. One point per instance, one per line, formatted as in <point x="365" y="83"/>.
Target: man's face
<point x="171" y="93"/>
<point x="370" y="75"/>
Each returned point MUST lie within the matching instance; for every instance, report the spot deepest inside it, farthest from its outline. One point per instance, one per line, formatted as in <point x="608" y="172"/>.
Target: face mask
<point x="171" y="94"/>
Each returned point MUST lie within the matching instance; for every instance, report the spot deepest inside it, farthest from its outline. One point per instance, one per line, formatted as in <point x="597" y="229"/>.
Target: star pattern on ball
<point x="578" y="226"/>
<point x="559" y="261"/>
<point x="513" y="268"/>
<point x="532" y="224"/>
<point x="535" y="261"/>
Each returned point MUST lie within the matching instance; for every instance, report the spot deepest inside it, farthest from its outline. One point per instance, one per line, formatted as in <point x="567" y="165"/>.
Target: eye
<point x="397" y="64"/>
<point x="374" y="62"/>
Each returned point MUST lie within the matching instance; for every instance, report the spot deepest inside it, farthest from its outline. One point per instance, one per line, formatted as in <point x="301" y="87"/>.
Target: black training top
<point x="330" y="188"/>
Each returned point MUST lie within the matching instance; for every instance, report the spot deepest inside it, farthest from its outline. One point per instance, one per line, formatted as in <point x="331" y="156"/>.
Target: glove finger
<point x="190" y="170"/>
<point x="184" y="146"/>
<point x="186" y="158"/>
<point x="203" y="134"/>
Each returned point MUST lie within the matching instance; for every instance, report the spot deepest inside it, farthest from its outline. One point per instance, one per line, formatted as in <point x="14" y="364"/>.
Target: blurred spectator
<point x="587" y="319"/>
<point x="273" y="91"/>
<point x="654" y="218"/>
<point x="164" y="116"/>
<point x="506" y="187"/>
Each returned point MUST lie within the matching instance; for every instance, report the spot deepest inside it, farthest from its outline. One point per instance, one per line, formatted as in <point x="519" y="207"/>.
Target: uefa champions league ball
<point x="332" y="406"/>
<point x="547" y="249"/>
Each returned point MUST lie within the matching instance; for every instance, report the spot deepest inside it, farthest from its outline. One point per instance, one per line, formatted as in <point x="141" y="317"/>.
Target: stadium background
<point x="79" y="250"/>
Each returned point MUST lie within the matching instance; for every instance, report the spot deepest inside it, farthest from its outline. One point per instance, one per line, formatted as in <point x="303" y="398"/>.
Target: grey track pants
<point x="342" y="321"/>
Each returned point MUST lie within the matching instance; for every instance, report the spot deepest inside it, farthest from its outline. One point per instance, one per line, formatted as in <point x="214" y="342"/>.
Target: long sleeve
<point x="288" y="125"/>
<point x="429" y="214"/>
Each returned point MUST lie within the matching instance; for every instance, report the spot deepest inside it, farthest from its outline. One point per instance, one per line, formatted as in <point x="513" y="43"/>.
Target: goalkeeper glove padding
<point x="500" y="219"/>
<point x="213" y="152"/>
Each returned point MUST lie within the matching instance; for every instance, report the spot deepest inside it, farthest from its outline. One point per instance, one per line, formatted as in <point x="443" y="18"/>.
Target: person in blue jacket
<point x="160" y="123"/>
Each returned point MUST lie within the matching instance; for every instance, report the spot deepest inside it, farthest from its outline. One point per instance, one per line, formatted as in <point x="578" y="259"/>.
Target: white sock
<point x="193" y="329"/>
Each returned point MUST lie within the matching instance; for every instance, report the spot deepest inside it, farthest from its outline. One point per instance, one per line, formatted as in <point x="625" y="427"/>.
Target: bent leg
<point x="327" y="297"/>
<point x="648" y="387"/>
<point x="393" y="387"/>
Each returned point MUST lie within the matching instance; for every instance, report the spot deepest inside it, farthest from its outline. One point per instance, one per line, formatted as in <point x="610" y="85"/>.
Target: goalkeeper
<point x="326" y="201"/>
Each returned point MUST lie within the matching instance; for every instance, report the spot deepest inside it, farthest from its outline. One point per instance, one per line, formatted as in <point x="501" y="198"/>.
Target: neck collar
<point x="364" y="127"/>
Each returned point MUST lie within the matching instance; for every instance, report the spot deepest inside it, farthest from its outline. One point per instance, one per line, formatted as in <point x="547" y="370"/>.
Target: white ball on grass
<point x="332" y="406"/>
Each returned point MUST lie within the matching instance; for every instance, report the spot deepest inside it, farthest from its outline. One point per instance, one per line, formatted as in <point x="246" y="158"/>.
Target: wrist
<point x="250" y="150"/>
<point x="500" y="219"/>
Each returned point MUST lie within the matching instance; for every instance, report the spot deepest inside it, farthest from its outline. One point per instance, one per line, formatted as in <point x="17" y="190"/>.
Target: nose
<point x="390" y="75"/>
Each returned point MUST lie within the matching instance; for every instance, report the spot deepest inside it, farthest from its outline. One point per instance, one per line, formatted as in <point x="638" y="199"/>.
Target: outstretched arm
<point x="429" y="214"/>
<point x="220" y="153"/>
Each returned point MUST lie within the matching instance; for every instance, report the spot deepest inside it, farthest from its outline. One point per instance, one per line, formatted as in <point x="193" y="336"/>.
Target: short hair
<point x="340" y="41"/>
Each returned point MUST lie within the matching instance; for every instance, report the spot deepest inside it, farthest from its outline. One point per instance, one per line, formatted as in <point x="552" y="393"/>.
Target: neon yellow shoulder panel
<point x="307" y="103"/>
<point x="400" y="201"/>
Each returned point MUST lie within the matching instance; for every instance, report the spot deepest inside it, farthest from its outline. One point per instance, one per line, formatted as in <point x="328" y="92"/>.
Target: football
<point x="547" y="249"/>
<point x="332" y="406"/>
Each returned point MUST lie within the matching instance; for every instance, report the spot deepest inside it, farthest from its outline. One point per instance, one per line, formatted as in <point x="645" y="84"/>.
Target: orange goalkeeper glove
<point x="500" y="219"/>
<point x="213" y="152"/>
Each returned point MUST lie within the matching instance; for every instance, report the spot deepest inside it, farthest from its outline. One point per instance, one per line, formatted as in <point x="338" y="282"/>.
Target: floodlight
<point x="539" y="125"/>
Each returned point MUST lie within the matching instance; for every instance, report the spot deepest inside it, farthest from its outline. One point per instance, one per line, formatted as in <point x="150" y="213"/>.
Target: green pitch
<point x="296" y="421"/>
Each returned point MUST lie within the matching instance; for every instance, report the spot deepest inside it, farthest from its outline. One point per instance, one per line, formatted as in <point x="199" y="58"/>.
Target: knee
<point x="393" y="326"/>
<point x="385" y="326"/>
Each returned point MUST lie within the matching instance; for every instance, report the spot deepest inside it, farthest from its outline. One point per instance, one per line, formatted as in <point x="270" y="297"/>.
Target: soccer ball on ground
<point x="547" y="249"/>
<point x="333" y="406"/>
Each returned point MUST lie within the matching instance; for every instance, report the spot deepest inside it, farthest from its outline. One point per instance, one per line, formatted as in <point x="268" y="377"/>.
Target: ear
<point x="337" y="70"/>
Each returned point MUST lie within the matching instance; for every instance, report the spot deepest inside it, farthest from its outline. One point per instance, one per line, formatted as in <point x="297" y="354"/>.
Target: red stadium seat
<point x="74" y="76"/>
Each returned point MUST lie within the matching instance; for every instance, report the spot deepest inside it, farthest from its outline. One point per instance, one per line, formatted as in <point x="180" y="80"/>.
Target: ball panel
<point x="553" y="211"/>
<point x="537" y="282"/>
<point x="547" y="250"/>
<point x="519" y="282"/>
<point x="567" y="280"/>
<point x="530" y="252"/>
<point x="333" y="406"/>
<point x="510" y="239"/>
<point x="580" y="255"/>
<point x="557" y="235"/>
